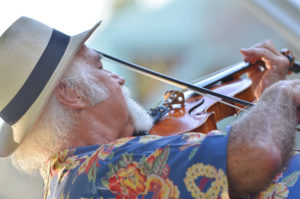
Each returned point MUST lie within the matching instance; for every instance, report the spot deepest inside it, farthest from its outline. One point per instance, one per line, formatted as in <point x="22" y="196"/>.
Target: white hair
<point x="51" y="132"/>
<point x="141" y="119"/>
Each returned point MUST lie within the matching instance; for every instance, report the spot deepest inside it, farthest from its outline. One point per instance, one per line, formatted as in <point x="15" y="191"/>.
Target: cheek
<point x="120" y="104"/>
<point x="108" y="82"/>
<point x="119" y="111"/>
<point x="117" y="102"/>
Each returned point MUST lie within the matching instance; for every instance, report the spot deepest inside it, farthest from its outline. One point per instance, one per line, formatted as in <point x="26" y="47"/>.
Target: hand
<point x="276" y="64"/>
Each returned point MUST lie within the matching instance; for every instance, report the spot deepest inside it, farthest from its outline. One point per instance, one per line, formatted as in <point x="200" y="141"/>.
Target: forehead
<point x="84" y="50"/>
<point x="87" y="53"/>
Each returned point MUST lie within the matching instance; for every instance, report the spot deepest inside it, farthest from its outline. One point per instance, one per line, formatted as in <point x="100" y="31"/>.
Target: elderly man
<point x="64" y="114"/>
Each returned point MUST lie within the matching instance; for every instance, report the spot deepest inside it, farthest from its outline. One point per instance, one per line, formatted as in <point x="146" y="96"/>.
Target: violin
<point x="200" y="106"/>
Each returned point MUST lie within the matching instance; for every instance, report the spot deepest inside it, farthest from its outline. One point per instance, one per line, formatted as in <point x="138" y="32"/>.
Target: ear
<point x="69" y="97"/>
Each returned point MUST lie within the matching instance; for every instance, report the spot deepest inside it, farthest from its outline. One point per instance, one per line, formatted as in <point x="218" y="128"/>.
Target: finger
<point x="267" y="44"/>
<point x="249" y="57"/>
<point x="255" y="54"/>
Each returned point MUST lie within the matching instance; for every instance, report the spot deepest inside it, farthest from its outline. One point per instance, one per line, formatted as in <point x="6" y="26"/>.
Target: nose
<point x="119" y="78"/>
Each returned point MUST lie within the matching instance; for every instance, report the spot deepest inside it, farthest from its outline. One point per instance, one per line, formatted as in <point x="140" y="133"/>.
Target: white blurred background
<point x="182" y="38"/>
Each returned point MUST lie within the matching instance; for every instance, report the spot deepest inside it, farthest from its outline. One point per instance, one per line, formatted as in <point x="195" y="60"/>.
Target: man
<point x="64" y="114"/>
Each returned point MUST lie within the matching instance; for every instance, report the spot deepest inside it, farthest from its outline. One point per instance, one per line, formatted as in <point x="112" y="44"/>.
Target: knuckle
<point x="283" y="62"/>
<point x="268" y="42"/>
<point x="264" y="51"/>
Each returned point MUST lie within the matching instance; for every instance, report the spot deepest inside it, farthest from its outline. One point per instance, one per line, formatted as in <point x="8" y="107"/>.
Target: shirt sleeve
<point x="286" y="184"/>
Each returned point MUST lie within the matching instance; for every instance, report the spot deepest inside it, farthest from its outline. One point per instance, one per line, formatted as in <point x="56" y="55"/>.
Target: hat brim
<point x="10" y="138"/>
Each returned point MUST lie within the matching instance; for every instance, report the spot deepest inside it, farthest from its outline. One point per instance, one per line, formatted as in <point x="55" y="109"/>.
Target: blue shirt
<point x="190" y="165"/>
<point x="181" y="166"/>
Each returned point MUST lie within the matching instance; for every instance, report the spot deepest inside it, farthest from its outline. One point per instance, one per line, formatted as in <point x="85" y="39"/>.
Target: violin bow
<point x="176" y="82"/>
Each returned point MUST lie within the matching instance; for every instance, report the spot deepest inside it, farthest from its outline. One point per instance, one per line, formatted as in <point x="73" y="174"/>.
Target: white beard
<point x="141" y="119"/>
<point x="37" y="146"/>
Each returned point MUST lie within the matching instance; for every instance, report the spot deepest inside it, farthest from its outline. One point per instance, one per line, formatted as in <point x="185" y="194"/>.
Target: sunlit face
<point x="114" y="107"/>
<point x="118" y="110"/>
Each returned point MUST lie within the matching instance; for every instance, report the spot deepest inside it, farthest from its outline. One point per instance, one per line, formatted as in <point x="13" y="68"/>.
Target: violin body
<point x="200" y="114"/>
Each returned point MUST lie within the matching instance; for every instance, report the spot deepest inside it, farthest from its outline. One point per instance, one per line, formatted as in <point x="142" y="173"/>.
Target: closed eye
<point x="100" y="65"/>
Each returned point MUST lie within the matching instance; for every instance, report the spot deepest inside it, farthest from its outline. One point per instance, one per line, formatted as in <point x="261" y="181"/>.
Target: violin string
<point x="221" y="101"/>
<point x="160" y="101"/>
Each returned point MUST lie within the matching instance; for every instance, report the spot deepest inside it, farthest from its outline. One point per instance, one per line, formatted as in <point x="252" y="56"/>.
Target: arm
<point x="260" y="143"/>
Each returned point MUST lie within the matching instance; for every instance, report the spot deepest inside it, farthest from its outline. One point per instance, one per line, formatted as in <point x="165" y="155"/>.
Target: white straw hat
<point x="33" y="57"/>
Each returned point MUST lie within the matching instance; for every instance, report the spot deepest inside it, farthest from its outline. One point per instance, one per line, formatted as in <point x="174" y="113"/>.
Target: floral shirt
<point x="286" y="184"/>
<point x="191" y="165"/>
